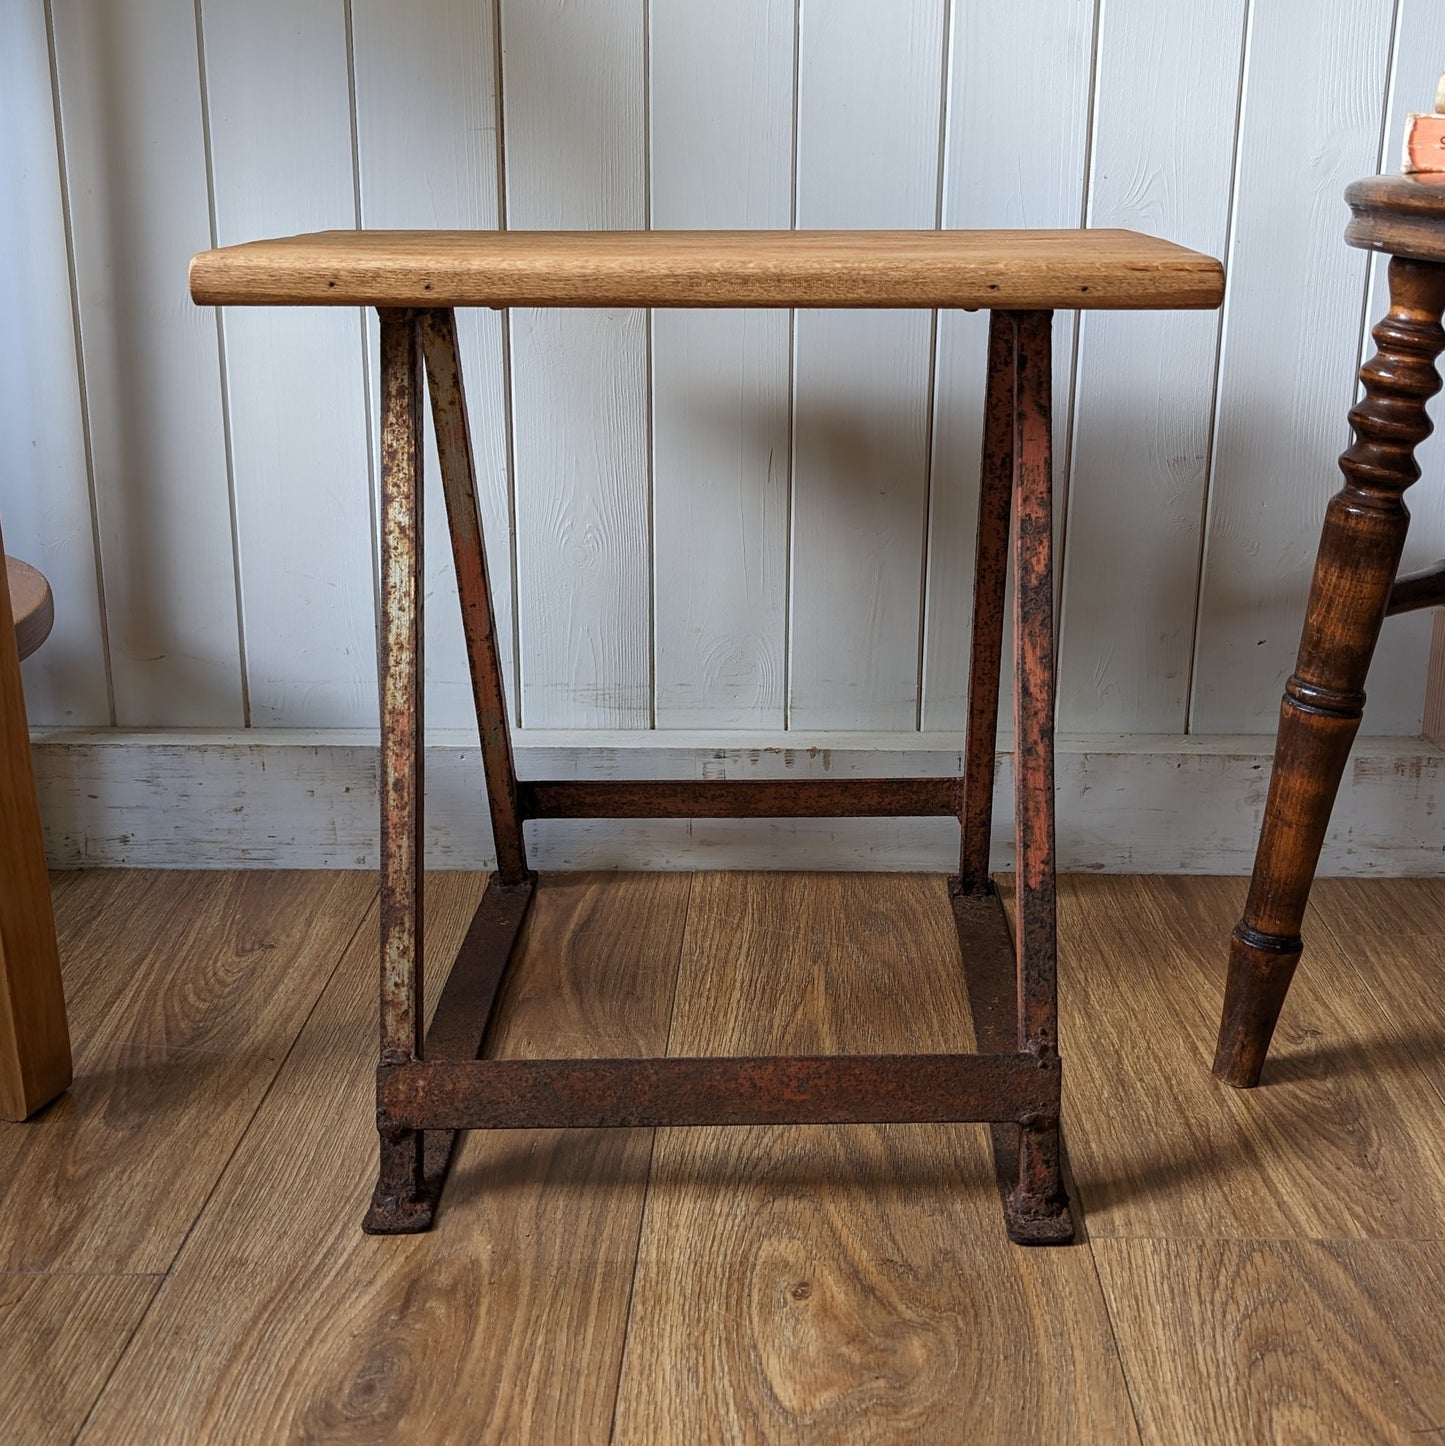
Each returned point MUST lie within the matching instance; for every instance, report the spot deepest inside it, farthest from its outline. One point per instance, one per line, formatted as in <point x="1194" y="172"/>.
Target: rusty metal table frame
<point x="430" y="1086"/>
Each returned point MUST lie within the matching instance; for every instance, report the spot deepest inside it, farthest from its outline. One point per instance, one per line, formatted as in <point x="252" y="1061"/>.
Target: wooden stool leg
<point x="1364" y="533"/>
<point x="401" y="1201"/>
<point x="990" y="581"/>
<point x="1038" y="1211"/>
<point x="34" y="1040"/>
<point x="454" y="450"/>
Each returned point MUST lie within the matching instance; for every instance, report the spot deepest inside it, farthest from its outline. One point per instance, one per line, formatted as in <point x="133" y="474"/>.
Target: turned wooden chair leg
<point x="1364" y="533"/>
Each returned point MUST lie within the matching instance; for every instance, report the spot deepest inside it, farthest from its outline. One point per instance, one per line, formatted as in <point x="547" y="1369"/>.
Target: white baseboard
<point x="287" y="798"/>
<point x="303" y="799"/>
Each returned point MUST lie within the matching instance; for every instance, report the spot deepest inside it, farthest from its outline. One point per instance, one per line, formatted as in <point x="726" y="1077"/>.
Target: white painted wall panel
<point x="1002" y="168"/>
<point x="870" y="82"/>
<point x="1395" y="692"/>
<point x="279" y="92"/>
<point x="130" y="95"/>
<point x="574" y="113"/>
<point x="1291" y="336"/>
<point x="1165" y="113"/>
<point x="44" y="482"/>
<point x="427" y="151"/>
<point x="722" y="157"/>
<point x="722" y="521"/>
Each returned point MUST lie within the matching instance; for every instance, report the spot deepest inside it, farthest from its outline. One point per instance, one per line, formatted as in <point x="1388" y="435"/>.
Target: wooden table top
<point x="1004" y="270"/>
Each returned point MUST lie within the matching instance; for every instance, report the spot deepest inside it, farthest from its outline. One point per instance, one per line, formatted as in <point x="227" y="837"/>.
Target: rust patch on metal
<point x="742" y="798"/>
<point x="990" y="974"/>
<point x="1034" y="687"/>
<point x="403" y="1203"/>
<point x="1038" y="1208"/>
<point x="524" y="1094"/>
<point x="402" y="1002"/>
<point x="399" y="1202"/>
<point x="468" y="1003"/>
<point x="990" y="582"/>
<point x="479" y="624"/>
<point x="424" y="1096"/>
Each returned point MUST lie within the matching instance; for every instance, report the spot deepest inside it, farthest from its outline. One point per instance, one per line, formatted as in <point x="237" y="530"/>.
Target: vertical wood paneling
<point x="280" y="127"/>
<point x="44" y="483"/>
<point x="1002" y="168"/>
<point x="1396" y="687"/>
<point x="136" y="170"/>
<point x="1310" y="125"/>
<point x="699" y="591"/>
<point x="427" y="148"/>
<point x="1162" y="163"/>
<point x="573" y="90"/>
<point x="870" y="83"/>
<point x="722" y="157"/>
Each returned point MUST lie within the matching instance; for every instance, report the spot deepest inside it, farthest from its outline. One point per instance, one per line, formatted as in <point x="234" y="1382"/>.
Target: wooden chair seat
<point x="1000" y="270"/>
<point x="1401" y="215"/>
<point x="32" y="604"/>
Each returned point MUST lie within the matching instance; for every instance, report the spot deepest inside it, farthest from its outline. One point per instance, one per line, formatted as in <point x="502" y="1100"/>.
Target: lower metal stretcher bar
<point x="525" y="1094"/>
<point x="744" y="798"/>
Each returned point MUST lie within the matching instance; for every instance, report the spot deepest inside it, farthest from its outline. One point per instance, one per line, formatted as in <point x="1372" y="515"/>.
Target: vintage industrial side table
<point x="1355" y="588"/>
<point x="427" y="1089"/>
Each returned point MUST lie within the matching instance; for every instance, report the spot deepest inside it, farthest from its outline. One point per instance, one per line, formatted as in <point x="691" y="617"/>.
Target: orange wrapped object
<point x="1424" y="143"/>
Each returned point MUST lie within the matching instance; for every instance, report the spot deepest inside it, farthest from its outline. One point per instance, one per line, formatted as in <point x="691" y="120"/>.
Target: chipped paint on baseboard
<point x="307" y="799"/>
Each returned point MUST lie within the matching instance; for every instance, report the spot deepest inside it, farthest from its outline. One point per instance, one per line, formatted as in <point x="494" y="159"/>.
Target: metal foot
<point x="1030" y="1222"/>
<point x="390" y="1214"/>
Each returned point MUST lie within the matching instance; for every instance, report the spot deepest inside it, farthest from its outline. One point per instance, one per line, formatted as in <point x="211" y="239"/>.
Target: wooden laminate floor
<point x="180" y="1257"/>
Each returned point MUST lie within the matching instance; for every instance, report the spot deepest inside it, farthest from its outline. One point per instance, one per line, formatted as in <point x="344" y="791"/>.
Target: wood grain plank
<point x="1394" y="911"/>
<point x="60" y="1337"/>
<point x="280" y="129"/>
<point x="573" y="114"/>
<point x="1279" y="1340"/>
<point x="130" y="99"/>
<point x="506" y="1322"/>
<point x="1334" y="1144"/>
<point x="426" y="87"/>
<point x="866" y="156"/>
<point x="1290" y="344"/>
<point x="1401" y="664"/>
<point x="721" y="137"/>
<point x="826" y="265"/>
<point x="44" y="482"/>
<point x="847" y="1282"/>
<point x="1389" y="932"/>
<point x="1162" y="162"/>
<point x="996" y="89"/>
<point x="61" y="881"/>
<point x="185" y="992"/>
